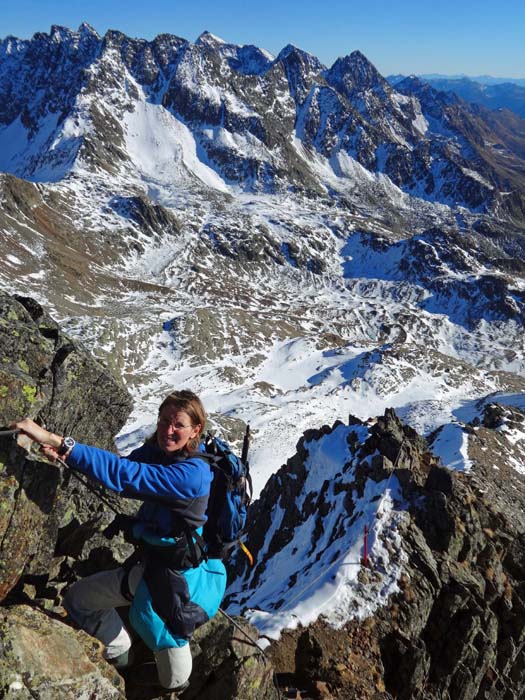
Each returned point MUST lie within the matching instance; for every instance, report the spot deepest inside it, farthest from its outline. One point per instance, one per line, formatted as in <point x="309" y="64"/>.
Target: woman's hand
<point x="50" y="452"/>
<point x="38" y="434"/>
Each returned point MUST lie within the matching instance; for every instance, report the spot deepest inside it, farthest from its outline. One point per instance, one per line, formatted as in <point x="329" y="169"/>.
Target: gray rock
<point x="46" y="376"/>
<point x="41" y="658"/>
<point x="227" y="665"/>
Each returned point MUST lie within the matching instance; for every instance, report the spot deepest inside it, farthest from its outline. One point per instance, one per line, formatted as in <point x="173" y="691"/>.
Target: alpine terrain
<point x="303" y="246"/>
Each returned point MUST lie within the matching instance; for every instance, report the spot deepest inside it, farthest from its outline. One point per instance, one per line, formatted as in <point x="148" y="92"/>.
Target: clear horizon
<point x="470" y="38"/>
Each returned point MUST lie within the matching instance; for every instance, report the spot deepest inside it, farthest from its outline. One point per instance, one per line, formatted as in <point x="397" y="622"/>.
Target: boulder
<point x="43" y="659"/>
<point x="227" y="665"/>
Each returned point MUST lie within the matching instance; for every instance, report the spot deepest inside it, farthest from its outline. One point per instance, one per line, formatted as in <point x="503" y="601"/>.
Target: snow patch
<point x="451" y="445"/>
<point x="163" y="148"/>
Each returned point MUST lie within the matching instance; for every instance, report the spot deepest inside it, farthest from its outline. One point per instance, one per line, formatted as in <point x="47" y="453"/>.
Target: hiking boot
<point x="122" y="661"/>
<point x="142" y="682"/>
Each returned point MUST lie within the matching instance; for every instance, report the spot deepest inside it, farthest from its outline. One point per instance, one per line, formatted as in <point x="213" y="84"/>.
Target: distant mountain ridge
<point x="483" y="79"/>
<point x="489" y="92"/>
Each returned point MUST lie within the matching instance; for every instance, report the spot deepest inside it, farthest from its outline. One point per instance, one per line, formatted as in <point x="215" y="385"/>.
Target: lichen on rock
<point x="40" y="657"/>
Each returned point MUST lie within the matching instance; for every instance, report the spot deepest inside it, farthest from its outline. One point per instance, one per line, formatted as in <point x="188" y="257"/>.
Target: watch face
<point x="67" y="444"/>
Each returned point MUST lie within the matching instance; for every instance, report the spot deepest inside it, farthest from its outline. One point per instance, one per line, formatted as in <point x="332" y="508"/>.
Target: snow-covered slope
<point x="287" y="588"/>
<point x="340" y="504"/>
<point x="294" y="242"/>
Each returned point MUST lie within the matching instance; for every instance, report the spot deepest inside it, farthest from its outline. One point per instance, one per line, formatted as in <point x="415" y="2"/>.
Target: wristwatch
<point x="67" y="444"/>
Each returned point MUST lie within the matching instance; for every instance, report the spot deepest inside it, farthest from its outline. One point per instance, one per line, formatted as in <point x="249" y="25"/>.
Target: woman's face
<point x="174" y="429"/>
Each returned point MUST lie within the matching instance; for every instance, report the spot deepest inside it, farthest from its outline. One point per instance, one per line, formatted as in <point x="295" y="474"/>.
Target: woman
<point x="170" y="587"/>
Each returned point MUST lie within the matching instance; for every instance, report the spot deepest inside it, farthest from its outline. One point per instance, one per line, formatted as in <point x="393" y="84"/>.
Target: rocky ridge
<point x="454" y="626"/>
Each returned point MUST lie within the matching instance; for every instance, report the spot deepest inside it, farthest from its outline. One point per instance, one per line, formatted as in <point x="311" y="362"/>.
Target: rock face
<point x="46" y="376"/>
<point x="456" y="626"/>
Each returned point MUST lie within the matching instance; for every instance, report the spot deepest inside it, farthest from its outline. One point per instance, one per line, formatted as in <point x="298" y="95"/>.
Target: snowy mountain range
<point x="295" y="242"/>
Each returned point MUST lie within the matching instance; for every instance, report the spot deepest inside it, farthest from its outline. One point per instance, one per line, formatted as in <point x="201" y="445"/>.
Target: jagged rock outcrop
<point x="228" y="665"/>
<point x="455" y="628"/>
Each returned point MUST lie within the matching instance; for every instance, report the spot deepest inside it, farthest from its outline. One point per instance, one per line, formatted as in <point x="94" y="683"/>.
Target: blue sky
<point x="403" y="36"/>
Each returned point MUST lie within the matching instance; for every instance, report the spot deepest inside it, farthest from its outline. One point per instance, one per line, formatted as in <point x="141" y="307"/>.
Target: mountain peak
<point x="210" y="40"/>
<point x="247" y="59"/>
<point x="86" y="29"/>
<point x="12" y="45"/>
<point x="410" y="82"/>
<point x="59" y="33"/>
<point x="290" y="50"/>
<point x="358" y="56"/>
<point x="301" y="70"/>
<point x="355" y="71"/>
<point x="113" y="37"/>
<point x="286" y="51"/>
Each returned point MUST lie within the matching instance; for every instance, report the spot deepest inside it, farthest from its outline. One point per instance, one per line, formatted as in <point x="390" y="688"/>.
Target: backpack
<point x="230" y="495"/>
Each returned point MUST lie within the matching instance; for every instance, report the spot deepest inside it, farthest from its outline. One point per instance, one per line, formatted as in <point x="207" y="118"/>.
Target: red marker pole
<point x="365" y="546"/>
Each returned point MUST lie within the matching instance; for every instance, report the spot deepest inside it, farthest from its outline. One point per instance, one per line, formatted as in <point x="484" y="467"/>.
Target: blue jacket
<point x="168" y="603"/>
<point x="149" y="472"/>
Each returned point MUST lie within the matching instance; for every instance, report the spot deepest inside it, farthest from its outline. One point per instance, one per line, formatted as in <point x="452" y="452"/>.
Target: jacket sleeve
<point x="190" y="478"/>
